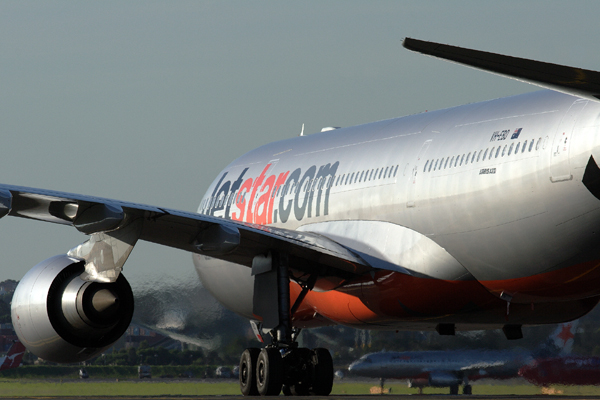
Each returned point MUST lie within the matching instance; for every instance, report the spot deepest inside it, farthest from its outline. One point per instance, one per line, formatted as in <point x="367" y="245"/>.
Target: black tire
<point x="248" y="372"/>
<point x="454" y="389"/>
<point x="322" y="381"/>
<point x="269" y="372"/>
<point x="467" y="389"/>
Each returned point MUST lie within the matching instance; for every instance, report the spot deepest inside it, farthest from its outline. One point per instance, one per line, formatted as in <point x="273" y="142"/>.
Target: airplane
<point x="482" y="216"/>
<point x="13" y="358"/>
<point x="452" y="368"/>
<point x="571" y="370"/>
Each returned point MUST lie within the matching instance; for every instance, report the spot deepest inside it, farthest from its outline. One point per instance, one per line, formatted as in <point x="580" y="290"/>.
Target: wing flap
<point x="571" y="80"/>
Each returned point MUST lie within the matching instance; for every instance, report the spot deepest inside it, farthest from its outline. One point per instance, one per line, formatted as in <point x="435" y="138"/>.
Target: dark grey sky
<point x="147" y="101"/>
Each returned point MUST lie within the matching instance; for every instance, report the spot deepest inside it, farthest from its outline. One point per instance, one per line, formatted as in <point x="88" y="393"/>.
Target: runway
<point x="336" y="397"/>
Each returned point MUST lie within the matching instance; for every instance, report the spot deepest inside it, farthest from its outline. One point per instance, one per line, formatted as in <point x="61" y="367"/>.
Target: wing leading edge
<point x="228" y="240"/>
<point x="574" y="81"/>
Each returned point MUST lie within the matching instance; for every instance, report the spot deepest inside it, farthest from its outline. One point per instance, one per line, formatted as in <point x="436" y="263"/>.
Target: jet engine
<point x="62" y="318"/>
<point x="443" y="379"/>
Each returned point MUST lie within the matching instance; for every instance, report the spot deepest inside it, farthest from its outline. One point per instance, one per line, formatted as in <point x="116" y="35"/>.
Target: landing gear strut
<point x="283" y="365"/>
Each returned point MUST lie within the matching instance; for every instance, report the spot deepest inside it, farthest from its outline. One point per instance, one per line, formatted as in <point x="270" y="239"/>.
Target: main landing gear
<point x="282" y="365"/>
<point x="296" y="372"/>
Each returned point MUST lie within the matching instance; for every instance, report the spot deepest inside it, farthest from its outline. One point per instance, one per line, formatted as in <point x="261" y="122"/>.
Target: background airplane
<point x="460" y="367"/>
<point x="13" y="358"/>
<point x="567" y="370"/>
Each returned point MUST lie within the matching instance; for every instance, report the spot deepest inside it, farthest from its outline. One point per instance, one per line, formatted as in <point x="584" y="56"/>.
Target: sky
<point x="148" y="101"/>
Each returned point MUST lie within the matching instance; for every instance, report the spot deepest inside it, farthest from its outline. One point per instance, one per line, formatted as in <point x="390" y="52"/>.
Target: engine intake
<point x="62" y="318"/>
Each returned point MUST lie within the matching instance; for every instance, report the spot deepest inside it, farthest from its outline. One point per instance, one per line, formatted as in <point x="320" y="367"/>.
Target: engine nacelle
<point x="443" y="379"/>
<point x="61" y="318"/>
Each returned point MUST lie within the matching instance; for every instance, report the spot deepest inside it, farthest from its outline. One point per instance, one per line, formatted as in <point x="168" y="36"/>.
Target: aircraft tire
<point x="248" y="372"/>
<point x="467" y="389"/>
<point x="322" y="381"/>
<point x="454" y="389"/>
<point x="301" y="380"/>
<point x="269" y="378"/>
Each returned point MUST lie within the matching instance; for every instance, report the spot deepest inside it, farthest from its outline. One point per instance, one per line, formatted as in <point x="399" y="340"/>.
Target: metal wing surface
<point x="228" y="240"/>
<point x="571" y="80"/>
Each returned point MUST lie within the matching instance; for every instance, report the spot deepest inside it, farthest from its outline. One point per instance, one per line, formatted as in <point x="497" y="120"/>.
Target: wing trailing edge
<point x="228" y="240"/>
<point x="570" y="80"/>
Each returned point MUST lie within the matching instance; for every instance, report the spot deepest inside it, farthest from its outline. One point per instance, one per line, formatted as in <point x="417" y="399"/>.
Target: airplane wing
<point x="574" y="81"/>
<point x="228" y="240"/>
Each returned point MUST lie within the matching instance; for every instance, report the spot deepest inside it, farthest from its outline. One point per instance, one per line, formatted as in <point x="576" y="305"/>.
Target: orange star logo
<point x="565" y="335"/>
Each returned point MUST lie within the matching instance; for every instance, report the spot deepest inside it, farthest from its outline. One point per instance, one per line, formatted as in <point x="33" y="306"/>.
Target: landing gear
<point x="322" y="372"/>
<point x="454" y="389"/>
<point x="248" y="372"/>
<point x="268" y="372"/>
<point x="282" y="365"/>
<point x="298" y="372"/>
<point x="467" y="389"/>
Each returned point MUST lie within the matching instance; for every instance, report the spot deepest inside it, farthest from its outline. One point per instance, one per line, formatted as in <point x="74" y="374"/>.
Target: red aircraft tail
<point x="14" y="356"/>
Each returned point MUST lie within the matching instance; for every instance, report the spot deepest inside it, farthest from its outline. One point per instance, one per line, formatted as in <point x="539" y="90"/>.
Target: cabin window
<point x="457" y="159"/>
<point x="396" y="170"/>
<point x="497" y="152"/>
<point x="435" y="165"/>
<point x="492" y="153"/>
<point x="531" y="145"/>
<point x="451" y="161"/>
<point x="430" y="165"/>
<point x="537" y="145"/>
<point x="462" y="159"/>
<point x="446" y="164"/>
<point x="504" y="150"/>
<point x="517" y="148"/>
<point x="425" y="167"/>
<point x="467" y="159"/>
<point x="485" y="154"/>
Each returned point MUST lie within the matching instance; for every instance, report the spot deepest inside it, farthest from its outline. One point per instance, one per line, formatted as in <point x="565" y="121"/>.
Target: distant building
<point x="136" y="334"/>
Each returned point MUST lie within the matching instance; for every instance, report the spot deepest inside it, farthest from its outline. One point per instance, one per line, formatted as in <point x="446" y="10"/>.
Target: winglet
<point x="574" y="81"/>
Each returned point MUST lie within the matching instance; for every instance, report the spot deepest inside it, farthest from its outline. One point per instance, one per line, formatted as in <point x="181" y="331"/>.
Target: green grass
<point x="122" y="388"/>
<point x="28" y="387"/>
